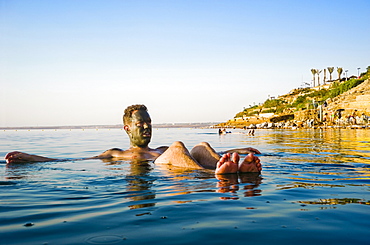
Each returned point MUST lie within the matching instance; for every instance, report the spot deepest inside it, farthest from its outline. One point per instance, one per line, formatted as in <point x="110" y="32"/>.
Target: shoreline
<point x="291" y="126"/>
<point x="353" y="127"/>
<point x="118" y="126"/>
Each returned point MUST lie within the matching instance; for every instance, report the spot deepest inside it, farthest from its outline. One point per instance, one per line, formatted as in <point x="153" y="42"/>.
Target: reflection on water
<point x="336" y="201"/>
<point x="314" y="188"/>
<point x="323" y="146"/>
<point x="140" y="185"/>
<point x="232" y="183"/>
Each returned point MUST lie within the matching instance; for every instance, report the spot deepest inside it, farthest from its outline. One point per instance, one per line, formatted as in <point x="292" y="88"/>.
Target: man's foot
<point x="177" y="155"/>
<point x="228" y="164"/>
<point x="251" y="163"/>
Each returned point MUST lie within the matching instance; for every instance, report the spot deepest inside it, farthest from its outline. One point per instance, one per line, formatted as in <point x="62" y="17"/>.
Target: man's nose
<point x="145" y="125"/>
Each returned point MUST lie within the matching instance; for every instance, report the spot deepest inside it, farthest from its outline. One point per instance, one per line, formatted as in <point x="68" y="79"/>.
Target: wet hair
<point x="129" y="110"/>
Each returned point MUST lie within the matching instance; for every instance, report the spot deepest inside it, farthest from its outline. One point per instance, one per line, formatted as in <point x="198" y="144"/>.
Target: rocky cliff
<point x="357" y="98"/>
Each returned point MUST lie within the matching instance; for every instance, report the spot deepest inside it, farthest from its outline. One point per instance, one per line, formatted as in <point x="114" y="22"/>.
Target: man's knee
<point x="178" y="144"/>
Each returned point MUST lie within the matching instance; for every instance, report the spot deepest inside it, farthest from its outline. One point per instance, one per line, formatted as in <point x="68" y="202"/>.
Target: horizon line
<point x="113" y="126"/>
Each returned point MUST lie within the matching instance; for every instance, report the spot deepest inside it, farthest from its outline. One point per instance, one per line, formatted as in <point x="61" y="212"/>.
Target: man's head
<point x="138" y="125"/>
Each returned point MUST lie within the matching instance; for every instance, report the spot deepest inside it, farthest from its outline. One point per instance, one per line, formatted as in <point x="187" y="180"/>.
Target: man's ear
<point x="126" y="128"/>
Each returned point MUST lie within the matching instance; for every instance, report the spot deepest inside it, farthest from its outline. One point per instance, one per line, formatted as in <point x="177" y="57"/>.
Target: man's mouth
<point x="147" y="134"/>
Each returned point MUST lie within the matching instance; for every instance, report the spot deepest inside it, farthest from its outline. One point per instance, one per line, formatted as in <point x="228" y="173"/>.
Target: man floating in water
<point x="137" y="124"/>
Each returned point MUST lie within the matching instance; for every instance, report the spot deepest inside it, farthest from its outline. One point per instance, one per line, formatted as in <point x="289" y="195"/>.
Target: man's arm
<point x="22" y="157"/>
<point x="246" y="150"/>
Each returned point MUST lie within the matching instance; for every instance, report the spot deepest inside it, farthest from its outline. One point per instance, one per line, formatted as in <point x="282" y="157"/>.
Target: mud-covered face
<point x="140" y="129"/>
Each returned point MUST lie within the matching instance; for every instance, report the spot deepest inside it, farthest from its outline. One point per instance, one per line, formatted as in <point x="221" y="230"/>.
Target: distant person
<point x="354" y="117"/>
<point x="365" y="118"/>
<point x="137" y="124"/>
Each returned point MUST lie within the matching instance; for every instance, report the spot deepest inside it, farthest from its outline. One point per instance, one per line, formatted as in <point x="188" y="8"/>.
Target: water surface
<point x="314" y="188"/>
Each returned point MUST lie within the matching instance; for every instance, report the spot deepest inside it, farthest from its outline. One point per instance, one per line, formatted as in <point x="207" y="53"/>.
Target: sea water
<point x="314" y="189"/>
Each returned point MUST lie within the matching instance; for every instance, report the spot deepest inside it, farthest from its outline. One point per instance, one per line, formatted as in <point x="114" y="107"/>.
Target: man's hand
<point x="21" y="157"/>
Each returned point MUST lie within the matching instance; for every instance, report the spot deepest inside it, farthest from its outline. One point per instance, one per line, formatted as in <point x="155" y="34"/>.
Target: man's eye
<point x="141" y="124"/>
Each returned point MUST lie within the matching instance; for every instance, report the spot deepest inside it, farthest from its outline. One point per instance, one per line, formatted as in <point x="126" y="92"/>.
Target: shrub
<point x="344" y="87"/>
<point x="272" y="103"/>
<point x="302" y="99"/>
<point x="269" y="111"/>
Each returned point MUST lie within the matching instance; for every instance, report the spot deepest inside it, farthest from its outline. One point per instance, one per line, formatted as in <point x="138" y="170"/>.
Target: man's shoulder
<point x="111" y="153"/>
<point x="115" y="149"/>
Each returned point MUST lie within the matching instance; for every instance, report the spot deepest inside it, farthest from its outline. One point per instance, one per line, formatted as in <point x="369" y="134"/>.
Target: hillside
<point x="336" y="103"/>
<point x="356" y="98"/>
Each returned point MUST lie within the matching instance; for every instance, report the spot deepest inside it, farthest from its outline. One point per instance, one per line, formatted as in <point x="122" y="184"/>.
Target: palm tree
<point x="313" y="73"/>
<point x="339" y="70"/>
<point x="330" y="69"/>
<point x="318" y="77"/>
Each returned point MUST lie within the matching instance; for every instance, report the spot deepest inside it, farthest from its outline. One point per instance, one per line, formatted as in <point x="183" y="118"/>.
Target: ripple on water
<point x="105" y="239"/>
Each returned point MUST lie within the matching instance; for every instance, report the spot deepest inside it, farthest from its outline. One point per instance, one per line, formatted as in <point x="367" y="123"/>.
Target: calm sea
<point x="314" y="189"/>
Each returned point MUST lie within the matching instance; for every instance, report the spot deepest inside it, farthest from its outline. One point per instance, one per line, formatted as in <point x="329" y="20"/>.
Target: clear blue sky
<point x="76" y="62"/>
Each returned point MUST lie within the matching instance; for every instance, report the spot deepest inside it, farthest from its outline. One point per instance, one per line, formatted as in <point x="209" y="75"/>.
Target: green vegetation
<point x="339" y="70"/>
<point x="248" y="111"/>
<point x="269" y="111"/>
<point x="339" y="88"/>
<point x="272" y="103"/>
<point x="274" y="106"/>
<point x="330" y="70"/>
<point x="302" y="101"/>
